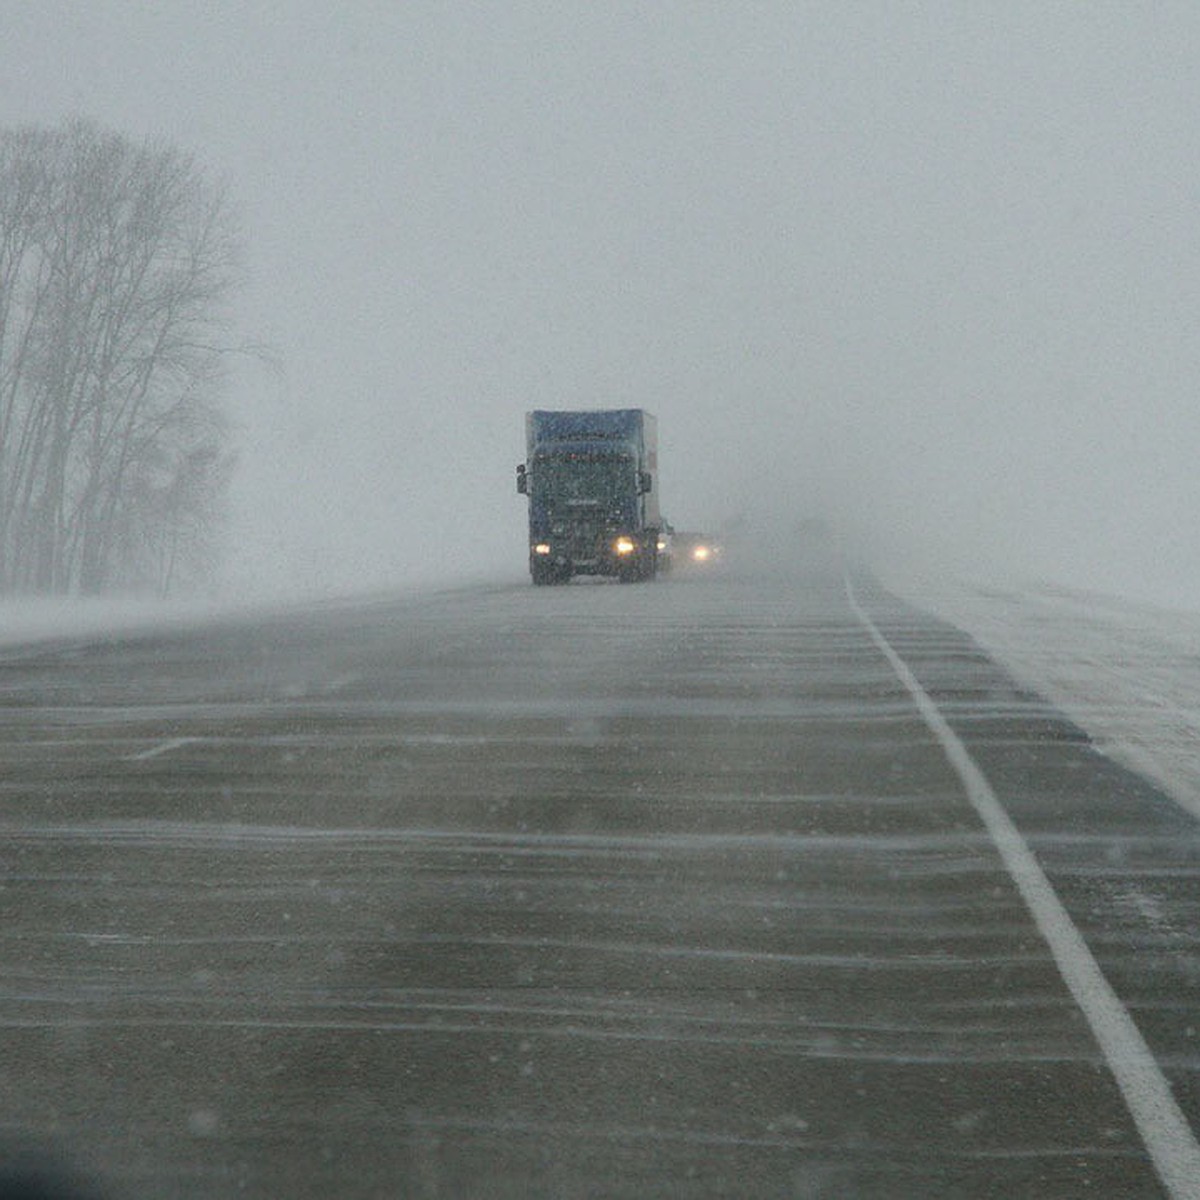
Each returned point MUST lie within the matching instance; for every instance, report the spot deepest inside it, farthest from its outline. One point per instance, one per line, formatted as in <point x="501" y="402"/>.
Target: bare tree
<point x="116" y="265"/>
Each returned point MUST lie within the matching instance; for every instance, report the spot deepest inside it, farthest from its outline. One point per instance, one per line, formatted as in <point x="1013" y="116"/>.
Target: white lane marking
<point x="1163" y="1127"/>
<point x="162" y="748"/>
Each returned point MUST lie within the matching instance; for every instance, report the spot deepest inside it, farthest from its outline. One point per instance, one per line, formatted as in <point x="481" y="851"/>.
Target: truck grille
<point x="582" y="541"/>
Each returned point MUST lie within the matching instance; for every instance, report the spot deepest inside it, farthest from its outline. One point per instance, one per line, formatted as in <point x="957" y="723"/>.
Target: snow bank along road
<point x="1129" y="673"/>
<point x="703" y="888"/>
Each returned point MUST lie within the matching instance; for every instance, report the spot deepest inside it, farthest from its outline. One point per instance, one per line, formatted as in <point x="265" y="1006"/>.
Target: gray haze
<point x="927" y="269"/>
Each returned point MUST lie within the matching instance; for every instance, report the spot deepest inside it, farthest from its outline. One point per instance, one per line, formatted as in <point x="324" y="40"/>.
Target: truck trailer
<point x="592" y="482"/>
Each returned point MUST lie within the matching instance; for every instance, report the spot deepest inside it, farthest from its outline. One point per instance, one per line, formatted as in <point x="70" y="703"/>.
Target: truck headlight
<point x="701" y="553"/>
<point x="542" y="548"/>
<point x="624" y="545"/>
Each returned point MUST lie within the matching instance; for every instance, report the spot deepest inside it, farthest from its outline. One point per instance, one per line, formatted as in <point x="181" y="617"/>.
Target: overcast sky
<point x="929" y="269"/>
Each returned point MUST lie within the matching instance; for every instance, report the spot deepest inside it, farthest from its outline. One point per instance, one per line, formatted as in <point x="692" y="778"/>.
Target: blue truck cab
<point x="592" y="482"/>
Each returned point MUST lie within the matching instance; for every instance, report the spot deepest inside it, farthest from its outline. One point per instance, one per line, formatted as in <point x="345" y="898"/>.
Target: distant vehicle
<point x="696" y="550"/>
<point x="592" y="481"/>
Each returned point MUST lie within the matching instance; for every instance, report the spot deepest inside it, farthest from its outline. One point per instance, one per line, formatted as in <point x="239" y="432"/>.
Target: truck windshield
<point x="598" y="478"/>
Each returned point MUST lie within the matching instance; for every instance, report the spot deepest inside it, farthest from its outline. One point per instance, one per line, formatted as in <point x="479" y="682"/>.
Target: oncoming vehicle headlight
<point x="542" y="548"/>
<point x="662" y="545"/>
<point x="624" y="545"/>
<point x="701" y="553"/>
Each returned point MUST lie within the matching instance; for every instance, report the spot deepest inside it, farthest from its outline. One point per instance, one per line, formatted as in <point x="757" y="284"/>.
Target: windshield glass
<point x="578" y="477"/>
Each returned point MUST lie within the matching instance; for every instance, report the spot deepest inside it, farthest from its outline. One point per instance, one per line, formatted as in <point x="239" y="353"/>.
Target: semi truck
<point x="592" y="482"/>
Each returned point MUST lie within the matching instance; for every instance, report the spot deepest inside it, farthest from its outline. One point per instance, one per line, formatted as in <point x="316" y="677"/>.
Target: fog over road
<point x="666" y="889"/>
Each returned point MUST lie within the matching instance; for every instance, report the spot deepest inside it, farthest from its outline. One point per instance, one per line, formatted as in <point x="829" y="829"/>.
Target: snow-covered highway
<point x="679" y="889"/>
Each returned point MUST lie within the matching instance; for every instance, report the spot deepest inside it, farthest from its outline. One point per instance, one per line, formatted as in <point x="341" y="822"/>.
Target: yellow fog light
<point x="542" y="548"/>
<point x="624" y="545"/>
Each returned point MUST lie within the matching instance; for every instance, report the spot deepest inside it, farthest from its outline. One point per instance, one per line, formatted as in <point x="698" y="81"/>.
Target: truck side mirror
<point x="645" y="481"/>
<point x="522" y="480"/>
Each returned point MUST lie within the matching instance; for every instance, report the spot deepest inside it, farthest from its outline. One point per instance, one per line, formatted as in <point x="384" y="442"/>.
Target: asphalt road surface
<point x="709" y="887"/>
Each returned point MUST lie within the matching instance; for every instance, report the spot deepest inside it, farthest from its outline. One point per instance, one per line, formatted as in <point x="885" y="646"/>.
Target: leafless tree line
<point x="116" y="265"/>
